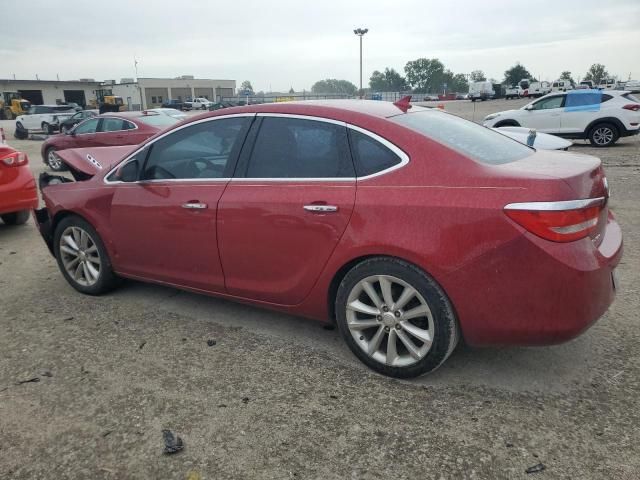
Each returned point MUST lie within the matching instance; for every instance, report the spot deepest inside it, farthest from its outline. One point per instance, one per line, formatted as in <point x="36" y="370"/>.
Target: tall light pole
<point x="360" y="32"/>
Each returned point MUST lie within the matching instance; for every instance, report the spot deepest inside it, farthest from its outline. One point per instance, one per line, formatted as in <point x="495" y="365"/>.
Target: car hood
<point x="89" y="161"/>
<point x="543" y="141"/>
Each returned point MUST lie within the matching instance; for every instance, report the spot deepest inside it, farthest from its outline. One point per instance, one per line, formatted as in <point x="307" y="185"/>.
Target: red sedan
<point x="123" y="128"/>
<point x="18" y="194"/>
<point x="408" y="226"/>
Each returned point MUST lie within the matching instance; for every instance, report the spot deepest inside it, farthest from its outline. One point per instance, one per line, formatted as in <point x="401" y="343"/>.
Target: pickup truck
<point x="199" y="103"/>
<point x="45" y="118"/>
<point x="173" y="103"/>
<point x="512" y="92"/>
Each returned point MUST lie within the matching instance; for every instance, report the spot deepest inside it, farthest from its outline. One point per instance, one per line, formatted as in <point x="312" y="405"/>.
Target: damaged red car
<point x="408" y="227"/>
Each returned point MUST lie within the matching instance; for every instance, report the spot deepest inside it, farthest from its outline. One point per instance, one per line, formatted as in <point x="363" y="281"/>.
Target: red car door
<point x="84" y="135"/>
<point x="164" y="223"/>
<point x="282" y="216"/>
<point x="114" y="131"/>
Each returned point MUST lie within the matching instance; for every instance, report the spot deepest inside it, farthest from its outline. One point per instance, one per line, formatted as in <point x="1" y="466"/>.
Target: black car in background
<point x="173" y="103"/>
<point x="68" y="124"/>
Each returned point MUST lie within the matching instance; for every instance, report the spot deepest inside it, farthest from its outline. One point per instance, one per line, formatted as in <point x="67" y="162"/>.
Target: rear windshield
<point x="479" y="143"/>
<point x="157" y="120"/>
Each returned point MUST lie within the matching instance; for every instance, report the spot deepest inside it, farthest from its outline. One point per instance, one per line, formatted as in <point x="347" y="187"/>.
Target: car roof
<point x="371" y="108"/>
<point x="128" y="115"/>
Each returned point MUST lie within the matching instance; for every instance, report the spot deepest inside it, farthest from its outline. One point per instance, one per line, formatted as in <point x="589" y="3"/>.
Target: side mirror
<point x="128" y="172"/>
<point x="529" y="107"/>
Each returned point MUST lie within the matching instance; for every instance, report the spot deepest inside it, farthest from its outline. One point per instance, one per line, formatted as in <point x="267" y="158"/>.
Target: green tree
<point x="596" y="72"/>
<point x="246" y="85"/>
<point x="458" y="83"/>
<point x="516" y="73"/>
<point x="334" y="86"/>
<point x="387" y="81"/>
<point x="477" y="76"/>
<point x="425" y="75"/>
<point x="566" y="75"/>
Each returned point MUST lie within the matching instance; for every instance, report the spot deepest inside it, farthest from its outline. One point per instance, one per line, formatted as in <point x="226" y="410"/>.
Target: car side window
<point x="88" y="126"/>
<point x="549" y="103"/>
<point x="370" y="156"/>
<point x="111" y="124"/>
<point x="297" y="148"/>
<point x="202" y="150"/>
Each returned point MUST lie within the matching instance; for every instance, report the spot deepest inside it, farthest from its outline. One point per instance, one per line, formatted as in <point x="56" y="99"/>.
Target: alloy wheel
<point x="603" y="136"/>
<point x="390" y="320"/>
<point x="53" y="160"/>
<point x="80" y="256"/>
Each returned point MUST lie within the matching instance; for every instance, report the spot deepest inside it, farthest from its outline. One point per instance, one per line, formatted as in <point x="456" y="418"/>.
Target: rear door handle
<point x="194" y="206"/>
<point x="321" y="208"/>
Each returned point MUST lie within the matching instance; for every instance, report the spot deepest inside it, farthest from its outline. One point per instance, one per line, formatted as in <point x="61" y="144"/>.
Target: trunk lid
<point x="86" y="162"/>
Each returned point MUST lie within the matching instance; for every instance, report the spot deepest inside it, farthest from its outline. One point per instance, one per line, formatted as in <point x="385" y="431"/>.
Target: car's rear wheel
<point x="65" y="129"/>
<point x="603" y="135"/>
<point x="54" y="162"/>
<point x="46" y="128"/>
<point x="82" y="257"/>
<point x="395" y="318"/>
<point x="15" y="218"/>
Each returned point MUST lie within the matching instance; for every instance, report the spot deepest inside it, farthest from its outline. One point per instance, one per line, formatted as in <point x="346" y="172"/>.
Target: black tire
<point x="46" y="128"/>
<point x="507" y="123"/>
<point x="21" y="133"/>
<point x="106" y="279"/>
<point x="603" y="135"/>
<point x="445" y="333"/>
<point x="16" y="218"/>
<point x="58" y="166"/>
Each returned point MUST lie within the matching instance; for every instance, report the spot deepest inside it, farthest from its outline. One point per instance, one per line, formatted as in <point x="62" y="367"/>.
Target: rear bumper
<point x="19" y="193"/>
<point x="535" y="292"/>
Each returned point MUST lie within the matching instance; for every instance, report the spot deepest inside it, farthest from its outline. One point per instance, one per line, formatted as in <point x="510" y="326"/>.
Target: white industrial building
<point x="145" y="93"/>
<point x="50" y="92"/>
<point x="151" y="92"/>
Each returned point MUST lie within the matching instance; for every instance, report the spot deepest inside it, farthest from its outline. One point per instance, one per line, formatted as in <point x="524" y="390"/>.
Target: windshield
<point x="475" y="141"/>
<point x="157" y="120"/>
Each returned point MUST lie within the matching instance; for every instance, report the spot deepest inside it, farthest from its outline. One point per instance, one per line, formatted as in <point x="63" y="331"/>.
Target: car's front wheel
<point x="15" y="218"/>
<point x="603" y="135"/>
<point x="54" y="162"/>
<point x="395" y="318"/>
<point x="82" y="257"/>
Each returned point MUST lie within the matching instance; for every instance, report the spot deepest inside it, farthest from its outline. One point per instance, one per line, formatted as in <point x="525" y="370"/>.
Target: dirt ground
<point x="281" y="397"/>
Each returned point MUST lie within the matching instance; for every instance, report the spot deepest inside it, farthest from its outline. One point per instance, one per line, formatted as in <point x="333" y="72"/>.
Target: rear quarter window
<point x="369" y="155"/>
<point x="475" y="141"/>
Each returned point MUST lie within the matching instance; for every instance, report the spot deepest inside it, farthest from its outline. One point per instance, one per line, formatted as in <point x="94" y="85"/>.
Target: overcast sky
<point x="282" y="43"/>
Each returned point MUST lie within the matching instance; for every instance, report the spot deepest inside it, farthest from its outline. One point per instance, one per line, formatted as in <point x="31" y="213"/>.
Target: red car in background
<point x="112" y="129"/>
<point x="18" y="194"/>
<point x="409" y="226"/>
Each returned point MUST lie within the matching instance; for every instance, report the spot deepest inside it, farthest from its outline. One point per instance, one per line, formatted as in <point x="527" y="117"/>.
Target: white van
<point x="534" y="89"/>
<point x="561" y="86"/>
<point x="607" y="84"/>
<point x="481" y="91"/>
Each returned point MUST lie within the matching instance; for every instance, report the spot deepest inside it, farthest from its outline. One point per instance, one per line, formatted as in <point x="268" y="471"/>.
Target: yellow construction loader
<point x="12" y="105"/>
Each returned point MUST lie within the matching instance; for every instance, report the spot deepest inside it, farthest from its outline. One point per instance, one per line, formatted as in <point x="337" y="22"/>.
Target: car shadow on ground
<point x="546" y="369"/>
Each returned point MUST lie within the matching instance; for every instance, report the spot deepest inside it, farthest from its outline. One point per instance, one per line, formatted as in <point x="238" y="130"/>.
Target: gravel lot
<point x="281" y="397"/>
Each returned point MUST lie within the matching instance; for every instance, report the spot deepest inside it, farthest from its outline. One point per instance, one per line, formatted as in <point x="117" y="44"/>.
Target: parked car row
<point x="199" y="103"/>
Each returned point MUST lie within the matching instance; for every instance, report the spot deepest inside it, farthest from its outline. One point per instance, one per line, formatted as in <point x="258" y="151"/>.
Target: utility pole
<point x="360" y="32"/>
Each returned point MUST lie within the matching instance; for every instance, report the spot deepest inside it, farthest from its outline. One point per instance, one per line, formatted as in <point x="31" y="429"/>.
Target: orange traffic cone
<point x="441" y="106"/>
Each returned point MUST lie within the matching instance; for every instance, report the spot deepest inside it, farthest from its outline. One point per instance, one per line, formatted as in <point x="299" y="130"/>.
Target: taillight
<point x="558" y="221"/>
<point x="632" y="106"/>
<point x="15" y="159"/>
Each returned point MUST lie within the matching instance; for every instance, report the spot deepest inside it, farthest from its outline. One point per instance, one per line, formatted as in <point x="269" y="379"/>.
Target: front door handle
<point x="321" y="208"/>
<point x="194" y="206"/>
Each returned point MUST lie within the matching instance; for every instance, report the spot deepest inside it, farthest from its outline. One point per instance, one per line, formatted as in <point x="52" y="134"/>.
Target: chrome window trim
<point x="404" y="158"/>
<point x="556" y="206"/>
<point x="142" y="147"/>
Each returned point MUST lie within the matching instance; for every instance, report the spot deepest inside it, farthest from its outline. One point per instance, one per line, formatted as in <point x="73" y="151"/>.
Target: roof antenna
<point x="404" y="103"/>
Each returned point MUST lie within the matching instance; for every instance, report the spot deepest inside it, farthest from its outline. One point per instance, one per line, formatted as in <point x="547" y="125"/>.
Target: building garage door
<point x="204" y="92"/>
<point x="34" y="96"/>
<point x="155" y="96"/>
<point x="75" y="96"/>
<point x="224" y="92"/>
<point x="182" y="94"/>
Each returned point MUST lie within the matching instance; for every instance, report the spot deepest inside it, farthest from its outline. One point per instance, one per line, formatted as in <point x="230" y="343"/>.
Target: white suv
<point x="46" y="118"/>
<point x="600" y="117"/>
